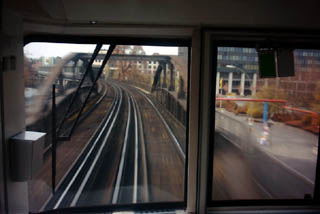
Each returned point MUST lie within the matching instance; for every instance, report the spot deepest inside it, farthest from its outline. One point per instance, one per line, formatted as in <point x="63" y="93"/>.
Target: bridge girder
<point x="163" y="60"/>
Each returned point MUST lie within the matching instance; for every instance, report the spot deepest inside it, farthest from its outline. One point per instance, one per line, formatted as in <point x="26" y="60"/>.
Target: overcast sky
<point x="38" y="49"/>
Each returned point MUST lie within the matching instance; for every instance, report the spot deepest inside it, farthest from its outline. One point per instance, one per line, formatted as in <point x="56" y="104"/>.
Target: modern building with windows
<point x="237" y="71"/>
<point x="302" y="86"/>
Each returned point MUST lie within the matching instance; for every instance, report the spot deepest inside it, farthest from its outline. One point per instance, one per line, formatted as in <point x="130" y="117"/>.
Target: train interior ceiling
<point x="160" y="106"/>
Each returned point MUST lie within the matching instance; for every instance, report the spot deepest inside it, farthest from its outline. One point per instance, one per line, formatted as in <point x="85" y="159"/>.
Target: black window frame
<point x="251" y="38"/>
<point x="121" y="40"/>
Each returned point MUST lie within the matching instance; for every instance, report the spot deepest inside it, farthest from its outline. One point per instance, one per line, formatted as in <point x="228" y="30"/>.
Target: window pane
<point x="266" y="130"/>
<point x="129" y="143"/>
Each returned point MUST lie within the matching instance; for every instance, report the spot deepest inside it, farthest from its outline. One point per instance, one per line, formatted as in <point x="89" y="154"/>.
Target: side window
<point x="266" y="130"/>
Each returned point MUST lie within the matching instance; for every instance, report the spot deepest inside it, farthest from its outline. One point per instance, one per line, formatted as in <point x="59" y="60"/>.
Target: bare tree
<point x="125" y="68"/>
<point x="122" y="65"/>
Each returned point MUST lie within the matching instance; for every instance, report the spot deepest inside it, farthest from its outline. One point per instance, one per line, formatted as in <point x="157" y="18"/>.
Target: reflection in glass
<point x="130" y="142"/>
<point x="266" y="130"/>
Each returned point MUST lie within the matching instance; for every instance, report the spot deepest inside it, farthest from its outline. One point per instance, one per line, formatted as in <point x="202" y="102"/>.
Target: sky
<point x="38" y="49"/>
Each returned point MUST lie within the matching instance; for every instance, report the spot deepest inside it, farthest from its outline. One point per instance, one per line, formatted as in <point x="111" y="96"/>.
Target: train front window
<point x="266" y="129"/>
<point x="120" y="121"/>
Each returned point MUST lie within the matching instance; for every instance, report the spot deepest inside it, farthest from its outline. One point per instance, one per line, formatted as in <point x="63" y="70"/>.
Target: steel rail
<point x="143" y="154"/>
<point x="115" y="104"/>
<point x="136" y="153"/>
<point x="98" y="129"/>
<point x="171" y="134"/>
<point x="88" y="69"/>
<point x="48" y="148"/>
<point x="138" y="134"/>
<point x="105" y="60"/>
<point x="116" y="192"/>
<point x="97" y="156"/>
<point x="252" y="100"/>
<point x="103" y="95"/>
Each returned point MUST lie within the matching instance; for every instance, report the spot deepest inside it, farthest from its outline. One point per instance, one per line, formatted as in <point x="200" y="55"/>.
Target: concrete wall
<point x="267" y="170"/>
<point x="11" y="44"/>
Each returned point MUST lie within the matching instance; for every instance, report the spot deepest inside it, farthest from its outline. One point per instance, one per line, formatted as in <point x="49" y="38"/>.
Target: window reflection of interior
<point x="266" y="130"/>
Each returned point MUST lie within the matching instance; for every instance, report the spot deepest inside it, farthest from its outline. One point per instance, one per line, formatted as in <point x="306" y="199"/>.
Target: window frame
<point x="217" y="38"/>
<point x="120" y="40"/>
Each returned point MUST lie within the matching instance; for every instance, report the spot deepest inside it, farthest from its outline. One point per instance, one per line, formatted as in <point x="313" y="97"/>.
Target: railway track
<point x="114" y="168"/>
<point x="171" y="134"/>
<point x="165" y="157"/>
<point x="92" y="105"/>
<point x="132" y="177"/>
<point x="72" y="185"/>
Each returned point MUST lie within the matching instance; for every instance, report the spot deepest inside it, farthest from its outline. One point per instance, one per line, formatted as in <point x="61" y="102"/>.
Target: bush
<point x="255" y="109"/>
<point x="284" y="117"/>
<point x="229" y="105"/>
<point x="316" y="101"/>
<point x="242" y="109"/>
<point x="307" y="119"/>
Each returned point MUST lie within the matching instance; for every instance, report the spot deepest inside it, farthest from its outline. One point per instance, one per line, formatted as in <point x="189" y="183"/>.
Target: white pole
<point x="254" y="84"/>
<point x="218" y="83"/>
<point x="242" y="81"/>
<point x="230" y="82"/>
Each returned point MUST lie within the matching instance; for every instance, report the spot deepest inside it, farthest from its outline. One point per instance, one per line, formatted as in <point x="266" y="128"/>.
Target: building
<point x="239" y="67"/>
<point x="237" y="71"/>
<point x="301" y="87"/>
<point x="145" y="67"/>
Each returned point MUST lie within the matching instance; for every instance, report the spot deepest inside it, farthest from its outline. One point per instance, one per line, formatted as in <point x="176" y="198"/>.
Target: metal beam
<point x="156" y="78"/>
<point x="127" y="57"/>
<point x="172" y="78"/>
<point x="164" y="82"/>
<point x="105" y="60"/>
<point x="88" y="68"/>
